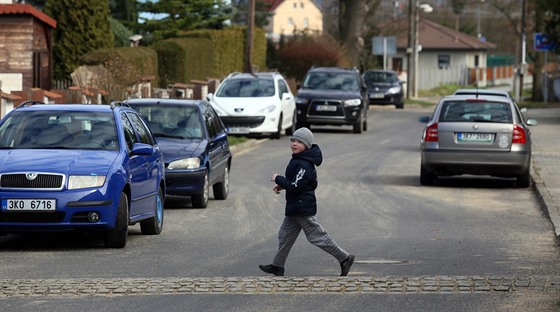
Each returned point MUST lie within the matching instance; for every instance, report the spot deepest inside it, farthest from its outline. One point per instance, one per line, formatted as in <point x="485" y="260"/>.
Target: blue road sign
<point x="542" y="43"/>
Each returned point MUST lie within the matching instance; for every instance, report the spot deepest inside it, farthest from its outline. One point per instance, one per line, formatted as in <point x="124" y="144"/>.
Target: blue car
<point x="194" y="143"/>
<point x="80" y="167"/>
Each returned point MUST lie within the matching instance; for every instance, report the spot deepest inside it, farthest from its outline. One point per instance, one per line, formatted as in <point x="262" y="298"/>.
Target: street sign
<point x="543" y="43"/>
<point x="384" y="46"/>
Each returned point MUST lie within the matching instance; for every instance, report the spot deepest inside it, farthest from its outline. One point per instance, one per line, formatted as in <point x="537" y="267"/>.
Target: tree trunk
<point x="539" y="60"/>
<point x="351" y="21"/>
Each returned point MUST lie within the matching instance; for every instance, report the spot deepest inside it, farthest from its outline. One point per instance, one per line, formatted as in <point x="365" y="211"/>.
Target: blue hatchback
<point x="79" y="167"/>
<point x="195" y="146"/>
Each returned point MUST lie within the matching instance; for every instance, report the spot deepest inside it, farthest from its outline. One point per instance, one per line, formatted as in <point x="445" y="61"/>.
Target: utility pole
<point x="523" y="50"/>
<point x="249" y="38"/>
<point x="409" y="60"/>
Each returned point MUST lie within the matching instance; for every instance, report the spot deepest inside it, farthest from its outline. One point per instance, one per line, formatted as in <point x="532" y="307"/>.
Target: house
<point x="25" y="47"/>
<point x="446" y="56"/>
<point x="290" y="16"/>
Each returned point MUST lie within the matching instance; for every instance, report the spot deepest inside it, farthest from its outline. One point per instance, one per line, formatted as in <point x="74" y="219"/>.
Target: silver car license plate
<point x="475" y="137"/>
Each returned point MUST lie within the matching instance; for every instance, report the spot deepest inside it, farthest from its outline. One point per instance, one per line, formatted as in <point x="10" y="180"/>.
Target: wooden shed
<point x="25" y="48"/>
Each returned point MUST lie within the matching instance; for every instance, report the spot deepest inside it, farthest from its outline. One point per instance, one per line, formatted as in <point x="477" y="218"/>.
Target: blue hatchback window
<point x="59" y="130"/>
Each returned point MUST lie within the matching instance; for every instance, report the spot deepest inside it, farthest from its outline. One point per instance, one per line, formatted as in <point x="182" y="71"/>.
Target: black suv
<point x="332" y="96"/>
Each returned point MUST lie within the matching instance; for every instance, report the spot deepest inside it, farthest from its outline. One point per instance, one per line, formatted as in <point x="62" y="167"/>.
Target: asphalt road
<point x="465" y="244"/>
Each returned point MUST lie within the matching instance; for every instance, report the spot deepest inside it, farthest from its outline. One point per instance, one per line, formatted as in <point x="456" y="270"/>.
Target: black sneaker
<point x="345" y="265"/>
<point x="272" y="269"/>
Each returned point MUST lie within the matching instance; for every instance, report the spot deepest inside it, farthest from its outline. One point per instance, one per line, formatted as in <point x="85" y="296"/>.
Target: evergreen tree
<point x="240" y="12"/>
<point x="82" y="26"/>
<point x="182" y="15"/>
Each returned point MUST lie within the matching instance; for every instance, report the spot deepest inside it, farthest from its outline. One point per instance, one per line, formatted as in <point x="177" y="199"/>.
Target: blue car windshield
<point x="171" y="121"/>
<point x="59" y="130"/>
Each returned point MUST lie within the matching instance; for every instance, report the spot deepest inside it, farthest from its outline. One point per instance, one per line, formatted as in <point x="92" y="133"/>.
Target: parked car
<point x="480" y="92"/>
<point x="484" y="135"/>
<point x="332" y="96"/>
<point x="195" y="146"/>
<point x="384" y="88"/>
<point x="255" y="104"/>
<point x="79" y="167"/>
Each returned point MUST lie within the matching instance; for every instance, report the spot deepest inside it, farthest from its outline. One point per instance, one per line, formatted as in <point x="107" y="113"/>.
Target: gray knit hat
<point x="305" y="136"/>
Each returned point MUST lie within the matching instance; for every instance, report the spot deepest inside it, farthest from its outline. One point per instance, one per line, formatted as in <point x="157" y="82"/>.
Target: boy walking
<point x="300" y="183"/>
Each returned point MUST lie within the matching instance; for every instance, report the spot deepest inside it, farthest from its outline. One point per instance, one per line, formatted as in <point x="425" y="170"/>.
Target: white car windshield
<point x="246" y="88"/>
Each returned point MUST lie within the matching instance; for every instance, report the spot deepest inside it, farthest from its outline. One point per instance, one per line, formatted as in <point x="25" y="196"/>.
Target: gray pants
<point x="316" y="235"/>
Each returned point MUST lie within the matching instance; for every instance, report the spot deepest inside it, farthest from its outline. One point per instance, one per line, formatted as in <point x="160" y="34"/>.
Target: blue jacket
<point x="300" y="182"/>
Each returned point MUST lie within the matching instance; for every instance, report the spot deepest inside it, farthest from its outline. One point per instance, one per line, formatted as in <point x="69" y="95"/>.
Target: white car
<point x="255" y="104"/>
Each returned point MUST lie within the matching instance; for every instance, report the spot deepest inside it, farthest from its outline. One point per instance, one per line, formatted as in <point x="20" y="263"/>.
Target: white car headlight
<point x="185" y="163"/>
<point x="83" y="181"/>
<point x="394" y="90"/>
<point x="268" y="109"/>
<point x="352" y="102"/>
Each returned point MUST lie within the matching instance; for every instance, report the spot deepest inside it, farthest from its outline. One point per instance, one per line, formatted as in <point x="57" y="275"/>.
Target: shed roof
<point x="18" y="9"/>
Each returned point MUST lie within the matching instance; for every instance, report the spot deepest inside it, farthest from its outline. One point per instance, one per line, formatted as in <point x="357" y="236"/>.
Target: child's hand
<point x="277" y="189"/>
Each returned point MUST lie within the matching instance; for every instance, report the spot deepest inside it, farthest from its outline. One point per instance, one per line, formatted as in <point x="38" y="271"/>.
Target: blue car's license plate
<point x="29" y="204"/>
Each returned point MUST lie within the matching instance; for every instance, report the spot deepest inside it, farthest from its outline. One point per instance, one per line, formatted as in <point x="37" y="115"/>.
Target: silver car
<point x="478" y="135"/>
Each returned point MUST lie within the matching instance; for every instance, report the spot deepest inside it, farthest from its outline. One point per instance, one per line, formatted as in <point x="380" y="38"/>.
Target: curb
<point x="547" y="203"/>
<point x="241" y="148"/>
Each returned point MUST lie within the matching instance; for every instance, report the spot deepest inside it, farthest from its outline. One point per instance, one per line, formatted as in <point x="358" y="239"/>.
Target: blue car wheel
<point x="117" y="236"/>
<point x="154" y="225"/>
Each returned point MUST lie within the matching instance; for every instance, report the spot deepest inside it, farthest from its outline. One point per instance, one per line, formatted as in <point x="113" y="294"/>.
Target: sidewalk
<point x="546" y="161"/>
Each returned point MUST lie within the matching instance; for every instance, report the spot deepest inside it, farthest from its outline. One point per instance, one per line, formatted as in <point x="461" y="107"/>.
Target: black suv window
<point x="346" y="81"/>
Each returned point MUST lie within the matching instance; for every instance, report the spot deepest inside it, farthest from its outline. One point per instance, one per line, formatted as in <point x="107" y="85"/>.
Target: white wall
<point x="303" y="14"/>
<point x="430" y="75"/>
<point x="11" y="82"/>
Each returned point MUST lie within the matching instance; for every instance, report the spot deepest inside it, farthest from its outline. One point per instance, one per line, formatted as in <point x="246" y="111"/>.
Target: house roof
<point x="433" y="36"/>
<point x="273" y="4"/>
<point x="17" y="9"/>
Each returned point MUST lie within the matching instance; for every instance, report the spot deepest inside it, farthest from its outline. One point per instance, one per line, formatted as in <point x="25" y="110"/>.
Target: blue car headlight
<point x="394" y="90"/>
<point x="185" y="163"/>
<point x="352" y="102"/>
<point x="85" y="181"/>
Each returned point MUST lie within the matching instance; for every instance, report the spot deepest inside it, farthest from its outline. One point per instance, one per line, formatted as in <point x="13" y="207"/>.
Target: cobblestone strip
<point x="81" y="287"/>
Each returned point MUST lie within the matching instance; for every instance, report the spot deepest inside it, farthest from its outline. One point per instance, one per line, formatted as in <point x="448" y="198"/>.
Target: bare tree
<point x="351" y="28"/>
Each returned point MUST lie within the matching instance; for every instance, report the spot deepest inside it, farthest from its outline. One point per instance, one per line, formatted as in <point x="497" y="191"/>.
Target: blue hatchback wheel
<point x="154" y="225"/>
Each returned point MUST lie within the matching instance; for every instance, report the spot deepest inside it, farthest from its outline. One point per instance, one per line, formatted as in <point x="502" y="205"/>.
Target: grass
<point x="449" y="89"/>
<point x="232" y="140"/>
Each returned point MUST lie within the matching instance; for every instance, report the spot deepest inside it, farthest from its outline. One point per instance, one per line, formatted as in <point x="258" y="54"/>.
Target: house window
<point x="306" y="22"/>
<point x="301" y="5"/>
<point x="295" y="5"/>
<point x="290" y="21"/>
<point x="444" y="61"/>
<point x="476" y="61"/>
